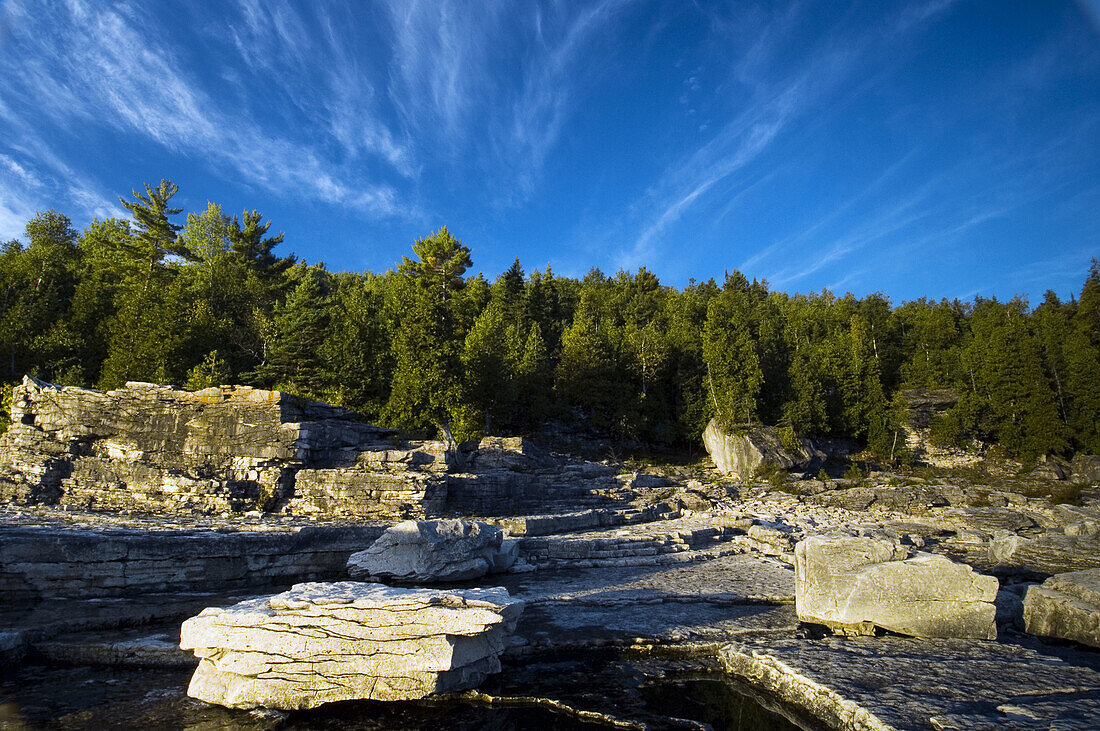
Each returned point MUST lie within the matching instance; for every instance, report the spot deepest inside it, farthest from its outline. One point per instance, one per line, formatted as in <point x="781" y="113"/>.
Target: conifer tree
<point x="590" y="377"/>
<point x="428" y="344"/>
<point x="534" y="376"/>
<point x="733" y="366"/>
<point x="294" y="335"/>
<point x="1010" y="399"/>
<point x="488" y="369"/>
<point x="356" y="351"/>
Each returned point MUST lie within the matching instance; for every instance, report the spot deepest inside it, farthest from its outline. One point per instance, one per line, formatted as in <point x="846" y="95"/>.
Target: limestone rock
<point x="435" y="551"/>
<point x="158" y="449"/>
<point x="740" y="456"/>
<point x="854" y="584"/>
<point x="320" y="643"/>
<point x="1066" y="606"/>
<point x="359" y="492"/>
<point x="1047" y="554"/>
<point x="13" y="646"/>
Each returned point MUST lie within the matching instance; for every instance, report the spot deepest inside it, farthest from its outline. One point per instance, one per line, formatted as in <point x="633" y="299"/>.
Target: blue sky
<point x="930" y="148"/>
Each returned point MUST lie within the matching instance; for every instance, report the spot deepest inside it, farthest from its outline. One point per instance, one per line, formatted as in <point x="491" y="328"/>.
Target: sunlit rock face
<point x="159" y="449"/>
<point x="435" y="551"/>
<point x="854" y="584"/>
<point x="740" y="455"/>
<point x="320" y="643"/>
<point x="1066" y="606"/>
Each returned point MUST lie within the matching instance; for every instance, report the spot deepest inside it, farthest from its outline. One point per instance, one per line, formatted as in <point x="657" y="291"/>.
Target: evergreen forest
<point x="204" y="298"/>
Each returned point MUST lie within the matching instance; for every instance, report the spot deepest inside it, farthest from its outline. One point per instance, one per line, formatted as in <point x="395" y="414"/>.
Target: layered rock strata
<point x="1048" y="554"/>
<point x="854" y="584"/>
<point x="43" y="563"/>
<point x="1066" y="606"/>
<point x="320" y="643"/>
<point x="158" y="449"/>
<point x="435" y="551"/>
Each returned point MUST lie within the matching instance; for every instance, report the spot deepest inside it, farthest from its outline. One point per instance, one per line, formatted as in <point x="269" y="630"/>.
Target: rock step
<point x="133" y="648"/>
<point x="624" y="546"/>
<point x="595" y="518"/>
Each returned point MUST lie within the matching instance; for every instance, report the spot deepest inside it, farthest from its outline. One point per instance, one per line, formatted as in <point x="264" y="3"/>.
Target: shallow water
<point x="60" y="697"/>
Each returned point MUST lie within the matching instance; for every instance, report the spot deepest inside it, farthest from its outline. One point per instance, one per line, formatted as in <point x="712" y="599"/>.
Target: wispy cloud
<point x="781" y="91"/>
<point x="481" y="83"/>
<point x="110" y="66"/>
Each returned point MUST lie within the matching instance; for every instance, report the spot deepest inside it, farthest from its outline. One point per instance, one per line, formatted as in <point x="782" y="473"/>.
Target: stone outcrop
<point x="1086" y="468"/>
<point x="923" y="406"/>
<point x="761" y="446"/>
<point x="320" y="643"/>
<point x="508" y="453"/>
<point x="229" y="449"/>
<point x="1065" y="606"/>
<point x="358" y="492"/>
<point x="428" y="551"/>
<point x="853" y="584"/>
<point x="158" y="449"/>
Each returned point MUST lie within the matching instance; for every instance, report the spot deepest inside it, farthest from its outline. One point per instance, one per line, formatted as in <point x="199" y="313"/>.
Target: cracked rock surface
<point x="319" y="643"/>
<point x="853" y="584"/>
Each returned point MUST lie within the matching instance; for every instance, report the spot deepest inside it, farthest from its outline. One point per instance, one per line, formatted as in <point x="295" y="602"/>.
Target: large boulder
<point x="320" y="643"/>
<point x="425" y="551"/>
<point x="854" y="584"/>
<point x="741" y="455"/>
<point x="1066" y="606"/>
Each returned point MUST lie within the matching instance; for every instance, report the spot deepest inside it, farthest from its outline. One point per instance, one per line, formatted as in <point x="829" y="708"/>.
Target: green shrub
<point x="854" y="472"/>
<point x="213" y="371"/>
<point x="789" y="439"/>
<point x="822" y="475"/>
<point x="775" y="476"/>
<point x="1067" y="493"/>
<point x="5" y="406"/>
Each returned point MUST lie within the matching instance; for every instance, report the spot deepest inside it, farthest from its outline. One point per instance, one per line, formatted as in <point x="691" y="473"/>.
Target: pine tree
<point x="294" y="336"/>
<point x="357" y="352"/>
<point x="489" y="373"/>
<point x="154" y="235"/>
<point x="534" y="382"/>
<point x="428" y="344"/>
<point x="249" y="241"/>
<point x="865" y="412"/>
<point x="1009" y="399"/>
<point x="590" y="377"/>
<point x="734" y="377"/>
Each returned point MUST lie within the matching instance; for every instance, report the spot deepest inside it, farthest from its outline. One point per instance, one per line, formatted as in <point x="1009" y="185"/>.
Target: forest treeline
<point x="204" y="299"/>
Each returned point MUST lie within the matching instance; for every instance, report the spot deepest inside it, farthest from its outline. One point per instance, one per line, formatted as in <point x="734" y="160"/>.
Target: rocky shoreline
<point x="691" y="566"/>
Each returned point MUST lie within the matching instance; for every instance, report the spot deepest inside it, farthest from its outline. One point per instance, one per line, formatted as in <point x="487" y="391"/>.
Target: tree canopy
<point x="428" y="345"/>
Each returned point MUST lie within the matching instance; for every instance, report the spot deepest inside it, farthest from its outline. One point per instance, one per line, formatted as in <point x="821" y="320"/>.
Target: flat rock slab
<point x="319" y="643"/>
<point x="133" y="648"/>
<point x="730" y="579"/>
<point x="708" y="601"/>
<point x="1066" y="606"/>
<point x="906" y="683"/>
